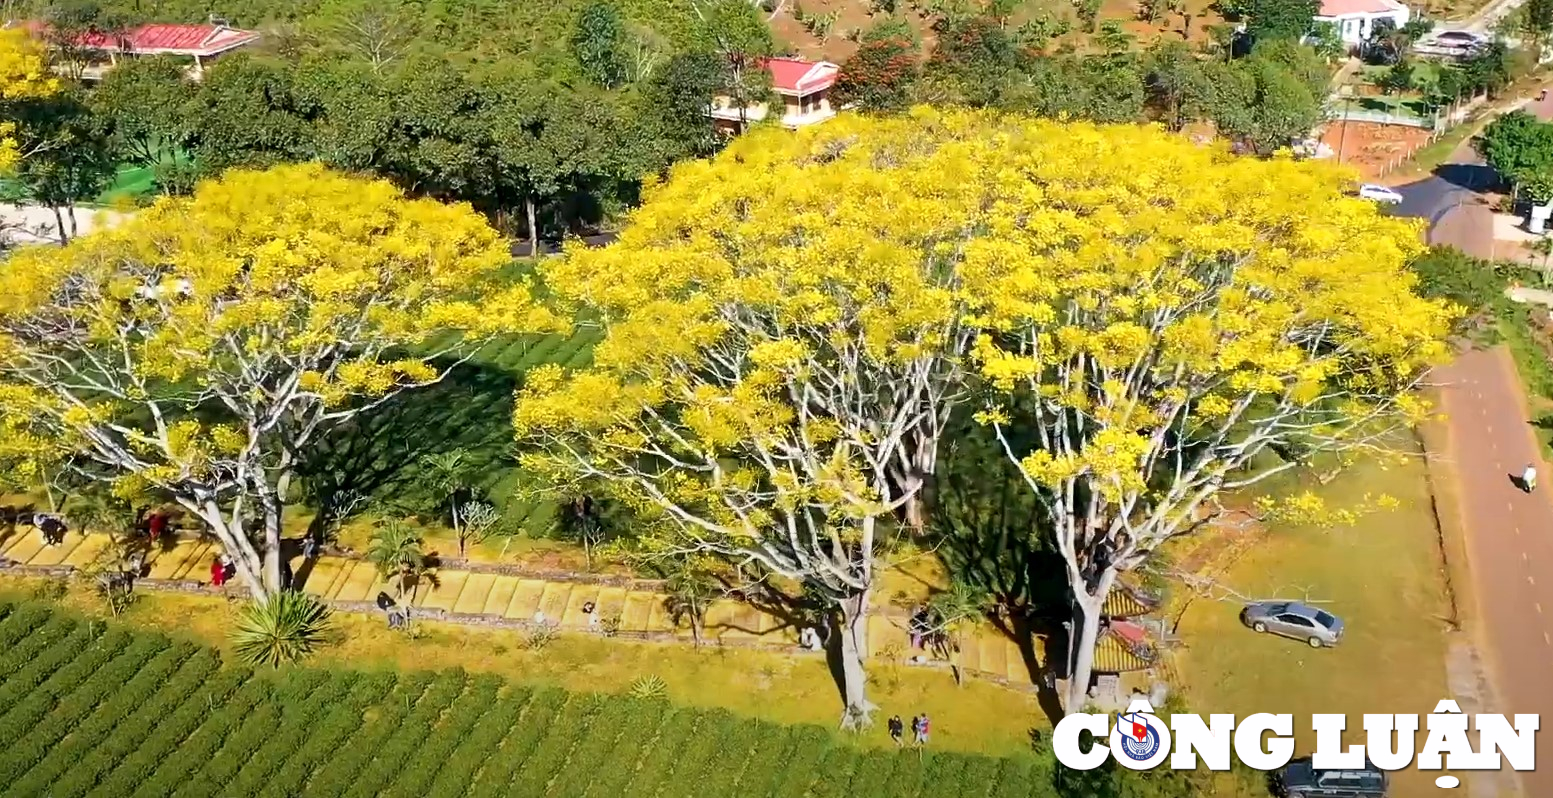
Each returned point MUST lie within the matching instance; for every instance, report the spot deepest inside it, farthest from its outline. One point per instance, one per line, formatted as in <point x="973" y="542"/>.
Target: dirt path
<point x="1509" y="536"/>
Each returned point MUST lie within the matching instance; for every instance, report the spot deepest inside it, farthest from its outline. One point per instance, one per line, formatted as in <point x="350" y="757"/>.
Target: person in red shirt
<point x="217" y="573"/>
<point x="158" y="523"/>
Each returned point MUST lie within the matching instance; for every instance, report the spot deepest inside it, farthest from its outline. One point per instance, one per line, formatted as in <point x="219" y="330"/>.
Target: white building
<point x="1356" y="18"/>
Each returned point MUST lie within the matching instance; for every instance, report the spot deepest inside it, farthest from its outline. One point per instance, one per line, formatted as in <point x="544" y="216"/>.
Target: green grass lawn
<point x="1381" y="576"/>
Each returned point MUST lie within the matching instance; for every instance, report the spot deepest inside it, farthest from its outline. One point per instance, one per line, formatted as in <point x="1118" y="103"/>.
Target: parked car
<point x="1381" y="194"/>
<point x="1300" y="779"/>
<point x="1293" y="619"/>
<point x="1459" y="38"/>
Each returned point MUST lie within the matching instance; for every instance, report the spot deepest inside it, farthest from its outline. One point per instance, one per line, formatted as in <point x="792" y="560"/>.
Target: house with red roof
<point x="199" y="44"/>
<point x="803" y="88"/>
<point x="1355" y="19"/>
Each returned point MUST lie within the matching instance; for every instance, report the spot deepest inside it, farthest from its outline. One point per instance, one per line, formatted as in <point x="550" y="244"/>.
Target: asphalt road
<point x="1510" y="553"/>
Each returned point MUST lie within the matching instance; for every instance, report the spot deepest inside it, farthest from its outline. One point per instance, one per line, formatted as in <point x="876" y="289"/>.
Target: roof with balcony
<point x="797" y="77"/>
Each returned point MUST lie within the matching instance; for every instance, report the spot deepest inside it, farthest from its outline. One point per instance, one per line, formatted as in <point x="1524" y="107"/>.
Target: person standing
<point x="1529" y="478"/>
<point x="592" y="611"/>
<point x="921" y="728"/>
<point x="897" y="729"/>
<point x="217" y="573"/>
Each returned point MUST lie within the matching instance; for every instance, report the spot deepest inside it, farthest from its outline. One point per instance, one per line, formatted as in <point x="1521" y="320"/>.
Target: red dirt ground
<point x="1368" y="147"/>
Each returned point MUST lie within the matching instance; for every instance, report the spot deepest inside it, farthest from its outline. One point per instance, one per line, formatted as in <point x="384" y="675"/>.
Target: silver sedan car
<point x="1293" y="619"/>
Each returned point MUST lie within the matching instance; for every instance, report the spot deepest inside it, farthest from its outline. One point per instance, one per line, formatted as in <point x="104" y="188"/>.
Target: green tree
<point x="147" y="100"/>
<point x="1517" y="146"/>
<point x="598" y="44"/>
<point x="1398" y="77"/>
<point x="380" y="33"/>
<point x="1280" y="19"/>
<point x="679" y="99"/>
<point x="1327" y="41"/>
<point x="245" y="113"/>
<point x="74" y="160"/>
<point x="449" y="473"/>
<point x="1173" y="75"/>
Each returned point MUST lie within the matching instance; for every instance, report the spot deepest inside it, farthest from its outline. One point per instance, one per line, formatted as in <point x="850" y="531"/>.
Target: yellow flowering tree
<point x="1165" y="318"/>
<point x="783" y="344"/>
<point x="24" y="75"/>
<point x="200" y="347"/>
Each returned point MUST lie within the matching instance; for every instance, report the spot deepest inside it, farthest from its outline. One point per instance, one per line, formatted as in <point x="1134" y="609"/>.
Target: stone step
<point x="475" y="593"/>
<point x="525" y="600"/>
<point x="443" y="593"/>
<point x="500" y="596"/>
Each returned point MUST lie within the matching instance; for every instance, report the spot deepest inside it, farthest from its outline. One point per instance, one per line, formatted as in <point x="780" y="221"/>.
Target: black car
<point x="1302" y="780"/>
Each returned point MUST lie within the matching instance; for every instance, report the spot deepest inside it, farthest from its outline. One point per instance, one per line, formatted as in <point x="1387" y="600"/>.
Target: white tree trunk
<point x="235" y="544"/>
<point x="1086" y="625"/>
<point x="854" y="646"/>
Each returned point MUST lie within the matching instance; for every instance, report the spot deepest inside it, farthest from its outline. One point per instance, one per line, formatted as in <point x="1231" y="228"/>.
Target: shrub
<point x="285" y="629"/>
<point x="540" y="637"/>
<point x="650" y="687"/>
<point x="345" y="763"/>
<point x="477" y="748"/>
<point x="537" y="718"/>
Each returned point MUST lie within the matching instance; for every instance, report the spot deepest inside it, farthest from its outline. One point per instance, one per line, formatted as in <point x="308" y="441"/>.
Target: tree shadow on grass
<point x="377" y="455"/>
<point x="985" y="525"/>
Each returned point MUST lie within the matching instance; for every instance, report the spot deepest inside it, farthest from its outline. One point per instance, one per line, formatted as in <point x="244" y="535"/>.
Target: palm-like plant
<point x="953" y="612"/>
<point x="396" y="552"/>
<point x="448" y="473"/>
<point x="284" y="629"/>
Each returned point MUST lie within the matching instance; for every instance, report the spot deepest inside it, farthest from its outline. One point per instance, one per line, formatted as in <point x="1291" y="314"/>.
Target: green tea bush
<point x="194" y="751"/>
<point x="423" y="759"/>
<point x="570" y="723"/>
<point x="345" y="764"/>
<point x="532" y="727"/>
<point x="120" y="731"/>
<point x="299" y="719"/>
<point x="105" y="712"/>
<point x="155" y="745"/>
<point x="479" y="746"/>
<point x="323" y="741"/>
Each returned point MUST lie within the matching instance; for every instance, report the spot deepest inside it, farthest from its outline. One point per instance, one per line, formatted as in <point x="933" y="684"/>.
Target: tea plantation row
<point x="95" y="709"/>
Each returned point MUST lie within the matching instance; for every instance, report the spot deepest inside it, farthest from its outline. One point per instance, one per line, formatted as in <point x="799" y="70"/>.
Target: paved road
<point x="1509" y="533"/>
<point x="1509" y="538"/>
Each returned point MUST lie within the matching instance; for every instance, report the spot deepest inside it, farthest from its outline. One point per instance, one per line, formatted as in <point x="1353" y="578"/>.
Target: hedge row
<point x="103" y="711"/>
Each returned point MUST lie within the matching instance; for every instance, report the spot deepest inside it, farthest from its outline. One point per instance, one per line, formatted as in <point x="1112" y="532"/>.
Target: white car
<point x="1380" y="194"/>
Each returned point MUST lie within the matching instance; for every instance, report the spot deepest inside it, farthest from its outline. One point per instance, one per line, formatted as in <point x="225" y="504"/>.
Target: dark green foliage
<point x="349" y="760"/>
<point x="1448" y="273"/>
<point x="477" y="748"/>
<point x="1280" y="19"/>
<point x="537" y="718"/>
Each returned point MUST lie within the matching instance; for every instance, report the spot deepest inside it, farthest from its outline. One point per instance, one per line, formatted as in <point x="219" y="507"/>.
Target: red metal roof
<point x="797" y="76"/>
<point x="169" y="39"/>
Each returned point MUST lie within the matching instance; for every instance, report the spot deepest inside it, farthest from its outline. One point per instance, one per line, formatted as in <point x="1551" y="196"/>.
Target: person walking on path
<point x="1529" y="478"/>
<point x="592" y="611"/>
<point x="897" y="729"/>
<point x="919" y="727"/>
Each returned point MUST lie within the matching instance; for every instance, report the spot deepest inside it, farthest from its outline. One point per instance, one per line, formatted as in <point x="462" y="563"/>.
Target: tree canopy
<point x="786" y="331"/>
<point x="197" y="349"/>
<point x="24" y="76"/>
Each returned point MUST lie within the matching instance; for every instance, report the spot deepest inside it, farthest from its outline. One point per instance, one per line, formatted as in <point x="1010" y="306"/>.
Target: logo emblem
<point x="1139" y="740"/>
